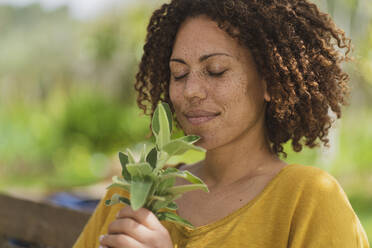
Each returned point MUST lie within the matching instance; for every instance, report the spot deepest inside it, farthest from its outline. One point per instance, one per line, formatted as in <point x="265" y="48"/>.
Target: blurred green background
<point x="67" y="103"/>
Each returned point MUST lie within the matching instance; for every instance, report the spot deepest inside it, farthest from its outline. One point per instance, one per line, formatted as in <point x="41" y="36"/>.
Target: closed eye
<point x="217" y="74"/>
<point x="213" y="74"/>
<point x="179" y="77"/>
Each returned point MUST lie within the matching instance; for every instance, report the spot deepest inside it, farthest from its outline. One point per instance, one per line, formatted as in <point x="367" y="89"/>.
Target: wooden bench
<point x="41" y="224"/>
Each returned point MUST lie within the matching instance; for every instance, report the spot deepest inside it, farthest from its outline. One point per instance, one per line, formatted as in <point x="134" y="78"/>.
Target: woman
<point x="246" y="76"/>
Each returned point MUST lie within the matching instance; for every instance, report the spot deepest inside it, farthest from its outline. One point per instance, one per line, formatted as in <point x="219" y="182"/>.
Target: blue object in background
<point x="71" y="201"/>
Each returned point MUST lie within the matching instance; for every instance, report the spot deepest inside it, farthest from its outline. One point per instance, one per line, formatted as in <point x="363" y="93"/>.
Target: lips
<point x="197" y="117"/>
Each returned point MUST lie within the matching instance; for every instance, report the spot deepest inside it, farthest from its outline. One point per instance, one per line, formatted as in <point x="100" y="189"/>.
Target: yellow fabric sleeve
<point x="98" y="223"/>
<point x="324" y="217"/>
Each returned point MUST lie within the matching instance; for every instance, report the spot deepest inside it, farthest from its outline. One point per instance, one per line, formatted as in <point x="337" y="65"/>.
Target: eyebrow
<point x="202" y="58"/>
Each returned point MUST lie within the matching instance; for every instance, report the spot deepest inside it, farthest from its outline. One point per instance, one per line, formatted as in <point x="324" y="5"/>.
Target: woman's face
<point x="214" y="85"/>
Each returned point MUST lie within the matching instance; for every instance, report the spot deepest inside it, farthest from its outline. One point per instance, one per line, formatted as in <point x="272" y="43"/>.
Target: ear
<point x="267" y="96"/>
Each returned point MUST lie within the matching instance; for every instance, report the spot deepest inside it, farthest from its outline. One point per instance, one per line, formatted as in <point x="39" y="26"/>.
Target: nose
<point x="194" y="87"/>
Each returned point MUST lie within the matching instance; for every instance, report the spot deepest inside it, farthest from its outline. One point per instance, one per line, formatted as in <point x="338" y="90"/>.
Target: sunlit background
<point x="67" y="103"/>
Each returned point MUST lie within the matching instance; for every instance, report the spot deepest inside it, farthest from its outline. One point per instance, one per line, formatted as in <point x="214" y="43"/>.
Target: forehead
<point x="200" y="35"/>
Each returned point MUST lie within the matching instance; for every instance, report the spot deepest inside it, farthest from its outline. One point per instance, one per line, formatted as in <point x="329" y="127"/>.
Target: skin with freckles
<point x="211" y="72"/>
<point x="213" y="76"/>
<point x="217" y="94"/>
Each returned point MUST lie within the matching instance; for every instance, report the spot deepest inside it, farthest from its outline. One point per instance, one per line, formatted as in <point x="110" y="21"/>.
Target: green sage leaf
<point x="170" y="170"/>
<point x="124" y="200"/>
<point x="143" y="154"/>
<point x="115" y="199"/>
<point x="190" y="138"/>
<point x="157" y="119"/>
<point x="185" y="175"/>
<point x="179" y="146"/>
<point x="120" y="183"/>
<point x="164" y="134"/>
<point x="162" y="159"/>
<point x="169" y="115"/>
<point x="139" y="191"/>
<point x="176" y="190"/>
<point x="172" y="217"/>
<point x="152" y="157"/>
<point x="115" y="185"/>
<point x="124" y="161"/>
<point x="191" y="177"/>
<point x="139" y="169"/>
<point x="155" y="124"/>
<point x="165" y="184"/>
<point x="172" y="206"/>
<point x="160" y="204"/>
<point x="130" y="155"/>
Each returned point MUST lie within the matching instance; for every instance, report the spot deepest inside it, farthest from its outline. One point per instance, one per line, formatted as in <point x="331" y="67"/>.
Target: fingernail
<point x="101" y="238"/>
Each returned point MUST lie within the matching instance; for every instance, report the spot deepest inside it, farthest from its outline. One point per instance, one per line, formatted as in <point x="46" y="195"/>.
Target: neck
<point x="245" y="157"/>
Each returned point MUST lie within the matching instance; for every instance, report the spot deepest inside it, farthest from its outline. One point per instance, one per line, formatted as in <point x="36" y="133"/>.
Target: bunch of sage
<point x="150" y="184"/>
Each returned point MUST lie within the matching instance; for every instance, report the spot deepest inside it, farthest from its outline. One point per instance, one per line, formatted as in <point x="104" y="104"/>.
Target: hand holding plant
<point x="150" y="185"/>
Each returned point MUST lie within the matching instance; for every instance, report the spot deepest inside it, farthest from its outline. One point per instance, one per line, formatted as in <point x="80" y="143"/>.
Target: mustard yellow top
<point x="302" y="207"/>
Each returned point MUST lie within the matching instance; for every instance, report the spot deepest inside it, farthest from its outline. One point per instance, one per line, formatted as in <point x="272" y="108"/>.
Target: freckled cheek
<point x="234" y="100"/>
<point x="174" y="94"/>
<point x="230" y="94"/>
<point x="176" y="98"/>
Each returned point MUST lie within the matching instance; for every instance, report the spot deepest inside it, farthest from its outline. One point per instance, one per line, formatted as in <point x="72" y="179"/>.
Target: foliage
<point x="150" y="185"/>
<point x="63" y="108"/>
<point x="63" y="82"/>
<point x="62" y="143"/>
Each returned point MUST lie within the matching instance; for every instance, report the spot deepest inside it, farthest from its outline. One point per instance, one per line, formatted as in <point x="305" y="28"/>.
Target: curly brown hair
<point x="297" y="50"/>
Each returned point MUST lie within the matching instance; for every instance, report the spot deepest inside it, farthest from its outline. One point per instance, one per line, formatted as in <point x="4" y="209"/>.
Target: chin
<point x="207" y="140"/>
<point x="201" y="143"/>
<point x="206" y="143"/>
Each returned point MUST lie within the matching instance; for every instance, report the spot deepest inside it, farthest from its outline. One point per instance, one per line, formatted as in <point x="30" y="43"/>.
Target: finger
<point x="142" y="216"/>
<point x="131" y="228"/>
<point x="120" y="240"/>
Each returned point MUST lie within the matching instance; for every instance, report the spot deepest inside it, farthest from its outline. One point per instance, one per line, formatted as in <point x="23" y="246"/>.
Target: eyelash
<point x="218" y="74"/>
<point x="179" y="78"/>
<point x="210" y="74"/>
